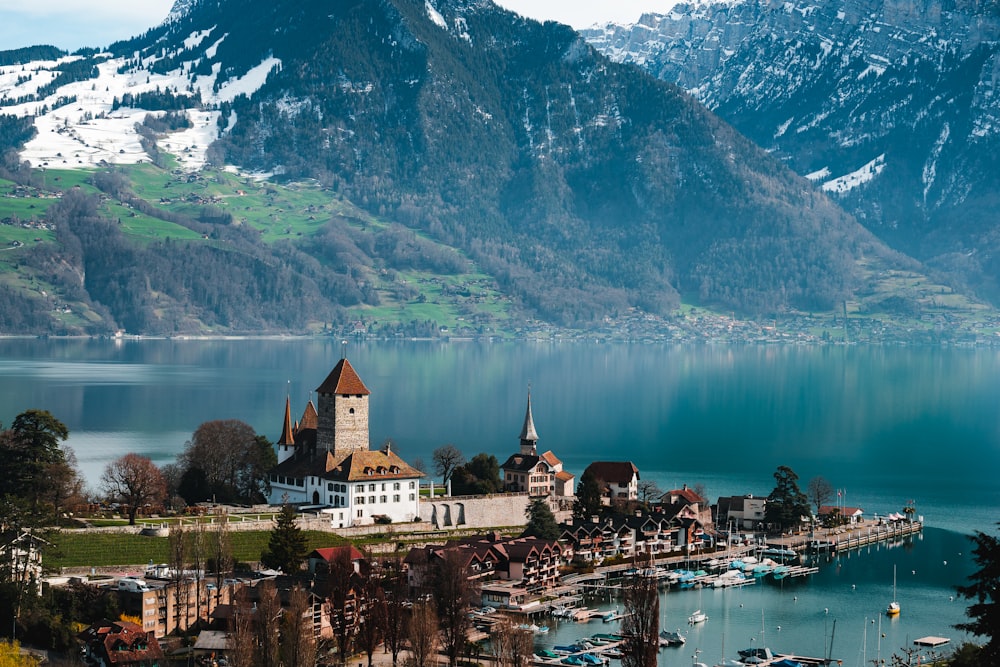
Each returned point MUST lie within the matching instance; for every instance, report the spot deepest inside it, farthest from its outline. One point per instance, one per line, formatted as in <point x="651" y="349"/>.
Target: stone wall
<point x="507" y="509"/>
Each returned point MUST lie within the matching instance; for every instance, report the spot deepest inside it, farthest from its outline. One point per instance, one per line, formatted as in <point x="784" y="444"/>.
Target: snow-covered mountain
<point x="891" y="106"/>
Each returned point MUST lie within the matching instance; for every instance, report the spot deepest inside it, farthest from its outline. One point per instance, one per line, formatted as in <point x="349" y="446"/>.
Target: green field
<point x="87" y="549"/>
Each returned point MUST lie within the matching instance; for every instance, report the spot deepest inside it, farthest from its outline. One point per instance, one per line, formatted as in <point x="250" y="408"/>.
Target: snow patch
<point x="435" y="15"/>
<point x="818" y="175"/>
<point x="848" y="182"/>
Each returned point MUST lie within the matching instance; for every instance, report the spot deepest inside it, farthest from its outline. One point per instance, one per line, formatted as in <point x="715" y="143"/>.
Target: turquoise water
<point x="797" y="615"/>
<point x="884" y="425"/>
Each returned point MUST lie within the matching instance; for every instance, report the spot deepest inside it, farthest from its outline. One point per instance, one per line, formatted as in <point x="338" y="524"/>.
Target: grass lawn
<point x="86" y="549"/>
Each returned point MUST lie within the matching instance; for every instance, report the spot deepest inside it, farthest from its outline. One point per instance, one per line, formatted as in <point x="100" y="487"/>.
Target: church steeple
<point x="529" y="437"/>
<point x="286" y="443"/>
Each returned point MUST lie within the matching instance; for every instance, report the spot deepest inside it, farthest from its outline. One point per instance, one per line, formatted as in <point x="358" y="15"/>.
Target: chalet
<point x="325" y="459"/>
<point x="120" y="644"/>
<point x="619" y="481"/>
<point x="536" y="474"/>
<point x="319" y="560"/>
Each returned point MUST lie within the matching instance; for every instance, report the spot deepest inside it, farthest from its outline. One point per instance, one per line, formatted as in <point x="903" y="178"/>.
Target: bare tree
<point x="648" y="491"/>
<point x="243" y="649"/>
<point x="298" y="643"/>
<point x="396" y="619"/>
<point x="267" y="622"/>
<point x="446" y="458"/>
<point x="511" y="646"/>
<point x="453" y="592"/>
<point x="177" y="540"/>
<point x="134" y="481"/>
<point x="343" y="596"/>
<point x="424" y="634"/>
<point x="819" y="491"/>
<point x="370" y="630"/>
<point x="641" y="626"/>
<point x="222" y="555"/>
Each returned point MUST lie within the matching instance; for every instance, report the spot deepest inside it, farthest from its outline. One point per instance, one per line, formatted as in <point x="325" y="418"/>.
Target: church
<point x="325" y="459"/>
<point x="535" y="474"/>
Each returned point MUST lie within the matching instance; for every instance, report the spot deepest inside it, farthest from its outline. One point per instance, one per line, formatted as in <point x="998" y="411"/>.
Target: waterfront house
<point x="619" y="481"/>
<point x="326" y="460"/>
<point x="527" y="471"/>
<point x="735" y="513"/>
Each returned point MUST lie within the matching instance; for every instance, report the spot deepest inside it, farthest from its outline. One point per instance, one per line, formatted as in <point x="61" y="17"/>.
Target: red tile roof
<point x="343" y="379"/>
<point x="614" y="471"/>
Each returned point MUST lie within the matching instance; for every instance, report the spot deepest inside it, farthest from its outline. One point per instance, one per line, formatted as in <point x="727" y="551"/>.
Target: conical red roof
<point x="343" y="380"/>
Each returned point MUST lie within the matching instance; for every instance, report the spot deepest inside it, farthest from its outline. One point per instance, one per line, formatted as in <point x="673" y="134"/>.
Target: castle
<point x="325" y="459"/>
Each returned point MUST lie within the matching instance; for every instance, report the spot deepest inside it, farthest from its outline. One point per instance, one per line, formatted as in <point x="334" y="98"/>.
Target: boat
<point x="697" y="617"/>
<point x="591" y="659"/>
<point x="614" y="653"/>
<point x="546" y="654"/>
<point x="612" y="615"/>
<point x="893" y="608"/>
<point x="731" y="577"/>
<point x="670" y="638"/>
<point x="780" y="572"/>
<point x="573" y="660"/>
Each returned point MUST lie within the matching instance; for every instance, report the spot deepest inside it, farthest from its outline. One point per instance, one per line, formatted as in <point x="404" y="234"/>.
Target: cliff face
<point x="890" y="106"/>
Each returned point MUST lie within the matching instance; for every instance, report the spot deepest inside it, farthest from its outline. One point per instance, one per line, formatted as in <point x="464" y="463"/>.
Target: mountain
<point x="583" y="187"/>
<point x="891" y="106"/>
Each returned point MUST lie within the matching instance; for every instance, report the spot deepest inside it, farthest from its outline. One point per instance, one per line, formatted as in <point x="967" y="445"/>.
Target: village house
<point x="326" y="460"/>
<point x="120" y="644"/>
<point x="520" y="565"/>
<point x="535" y="474"/>
<point x="21" y="559"/>
<point x="735" y="513"/>
<point x="165" y="605"/>
<point x="619" y="481"/>
<point x="691" y="513"/>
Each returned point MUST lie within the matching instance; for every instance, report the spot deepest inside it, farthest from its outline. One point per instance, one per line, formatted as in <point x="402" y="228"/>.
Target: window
<point x="412" y="496"/>
<point x="361" y="488"/>
<point x="361" y="513"/>
<point x="412" y="484"/>
<point x="383" y="499"/>
<point x="395" y="487"/>
<point x="351" y="411"/>
<point x="360" y="500"/>
<point x="395" y="498"/>
<point x="371" y="499"/>
<point x="383" y="486"/>
<point x="329" y="487"/>
<point x="371" y="488"/>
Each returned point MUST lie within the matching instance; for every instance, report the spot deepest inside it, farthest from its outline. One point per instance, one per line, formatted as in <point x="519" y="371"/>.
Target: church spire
<point x="287" y="432"/>
<point x="529" y="437"/>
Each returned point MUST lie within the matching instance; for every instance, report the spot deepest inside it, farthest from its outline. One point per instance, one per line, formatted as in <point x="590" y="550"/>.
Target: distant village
<point x="527" y="550"/>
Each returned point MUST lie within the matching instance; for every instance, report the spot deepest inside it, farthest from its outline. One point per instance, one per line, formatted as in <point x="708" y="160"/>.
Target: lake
<point x="885" y="425"/>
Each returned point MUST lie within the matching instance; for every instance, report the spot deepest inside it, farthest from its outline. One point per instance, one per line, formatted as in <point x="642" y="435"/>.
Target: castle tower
<point x="529" y="437"/>
<point x="342" y="414"/>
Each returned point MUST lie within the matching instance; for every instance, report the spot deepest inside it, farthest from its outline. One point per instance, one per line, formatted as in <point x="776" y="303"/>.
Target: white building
<point x="325" y="459"/>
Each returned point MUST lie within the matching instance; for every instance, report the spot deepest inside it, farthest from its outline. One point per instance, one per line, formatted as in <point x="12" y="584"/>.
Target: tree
<point x="480" y="476"/>
<point x="984" y="591"/>
<point x="134" y="481"/>
<point x="424" y="634"/>
<point x="30" y="448"/>
<point x="511" y="646"/>
<point x="641" y="625"/>
<point x="243" y="651"/>
<point x="446" y="458"/>
<point x="819" y="492"/>
<point x="343" y="593"/>
<point x="298" y="645"/>
<point x="266" y="625"/>
<point x="286" y="547"/>
<point x="235" y="461"/>
<point x="787" y="504"/>
<point x="648" y="491"/>
<point x="453" y="593"/>
<point x="589" y="497"/>
<point x="395" y="586"/>
<point x="372" y="624"/>
<point x="541" y="521"/>
<point x="178" y="545"/>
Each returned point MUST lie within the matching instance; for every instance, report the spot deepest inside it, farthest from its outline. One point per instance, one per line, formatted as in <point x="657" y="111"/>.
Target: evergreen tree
<point x="589" y="497"/>
<point x="541" y="521"/>
<point x="286" y="549"/>
<point x="984" y="613"/>
<point x="787" y="504"/>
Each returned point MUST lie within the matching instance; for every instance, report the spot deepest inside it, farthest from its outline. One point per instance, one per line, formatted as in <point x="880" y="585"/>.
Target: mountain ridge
<point x="888" y="105"/>
<point x="586" y="188"/>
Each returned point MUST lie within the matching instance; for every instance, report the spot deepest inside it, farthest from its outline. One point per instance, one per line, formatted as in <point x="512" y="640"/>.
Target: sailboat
<point x="893" y="608"/>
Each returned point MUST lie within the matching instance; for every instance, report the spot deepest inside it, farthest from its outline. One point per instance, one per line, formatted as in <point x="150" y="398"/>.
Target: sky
<point x="71" y="24"/>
